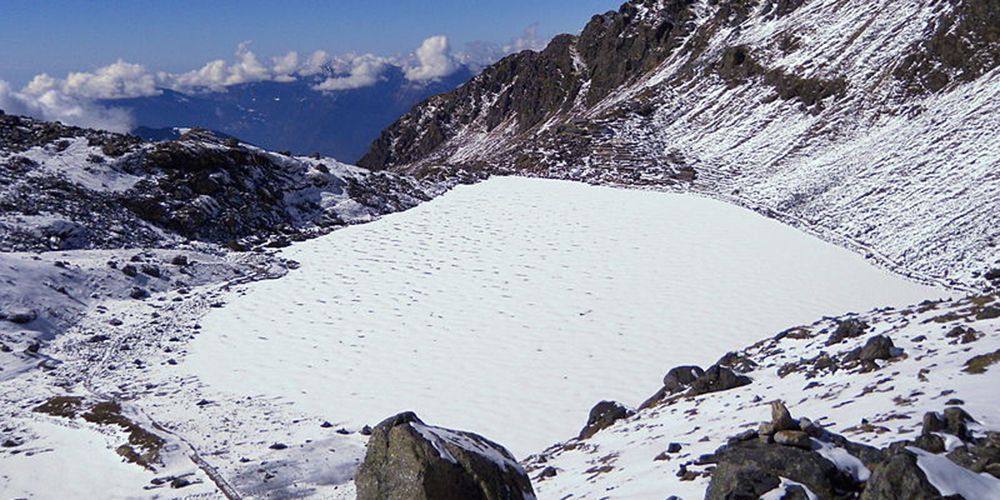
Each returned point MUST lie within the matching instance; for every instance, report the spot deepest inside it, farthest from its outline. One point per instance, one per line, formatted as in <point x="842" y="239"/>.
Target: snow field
<point x="510" y="307"/>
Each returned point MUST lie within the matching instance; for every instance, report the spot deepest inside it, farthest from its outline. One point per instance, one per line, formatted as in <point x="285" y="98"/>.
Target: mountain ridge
<point x="834" y="113"/>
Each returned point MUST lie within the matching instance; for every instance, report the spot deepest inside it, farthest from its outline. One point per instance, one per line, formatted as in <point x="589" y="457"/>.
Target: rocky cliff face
<point x="867" y="122"/>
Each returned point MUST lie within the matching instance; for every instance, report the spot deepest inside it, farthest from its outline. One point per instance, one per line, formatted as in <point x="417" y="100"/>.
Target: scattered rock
<point x="130" y="270"/>
<point x="408" y="459"/>
<point x="138" y="293"/>
<point x="278" y="446"/>
<point x="602" y="416"/>
<point x="673" y="447"/>
<point x="179" y="260"/>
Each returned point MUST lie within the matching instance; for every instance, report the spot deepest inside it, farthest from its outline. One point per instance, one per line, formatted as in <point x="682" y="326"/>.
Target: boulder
<point x="847" y="329"/>
<point x="408" y="459"/>
<point x="602" y="416"/>
<point x="899" y="478"/>
<point x="781" y="418"/>
<point x="797" y="439"/>
<point x="877" y="347"/>
<point x="956" y="420"/>
<point x="21" y="316"/>
<point x="932" y="422"/>
<point x="737" y="362"/>
<point x="717" y="378"/>
<point x="680" y="377"/>
<point x="743" y="468"/>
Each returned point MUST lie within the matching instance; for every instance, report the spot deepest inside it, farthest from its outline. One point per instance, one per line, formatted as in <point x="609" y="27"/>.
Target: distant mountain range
<point x="290" y="116"/>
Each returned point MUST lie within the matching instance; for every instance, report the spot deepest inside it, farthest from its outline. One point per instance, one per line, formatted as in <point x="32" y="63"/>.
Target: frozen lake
<point x="511" y="307"/>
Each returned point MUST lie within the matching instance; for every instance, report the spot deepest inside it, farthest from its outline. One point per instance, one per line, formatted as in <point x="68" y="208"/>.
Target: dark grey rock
<point x="602" y="416"/>
<point x="848" y="328"/>
<point x="899" y="478"/>
<point x="680" y="377"/>
<point x="407" y="459"/>
<point x="22" y="316"/>
<point x="879" y="347"/>
<point x="716" y="379"/>
<point x="743" y="466"/>
<point x="798" y="439"/>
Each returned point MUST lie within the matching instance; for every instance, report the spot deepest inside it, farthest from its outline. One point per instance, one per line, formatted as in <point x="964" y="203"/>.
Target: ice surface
<point x="510" y="307"/>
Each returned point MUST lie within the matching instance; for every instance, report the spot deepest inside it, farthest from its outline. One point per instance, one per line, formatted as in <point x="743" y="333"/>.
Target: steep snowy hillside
<point x="873" y="123"/>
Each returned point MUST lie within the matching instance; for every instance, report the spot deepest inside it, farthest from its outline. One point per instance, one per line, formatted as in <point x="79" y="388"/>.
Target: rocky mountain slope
<point x="871" y="123"/>
<point x="67" y="188"/>
<point x="896" y="402"/>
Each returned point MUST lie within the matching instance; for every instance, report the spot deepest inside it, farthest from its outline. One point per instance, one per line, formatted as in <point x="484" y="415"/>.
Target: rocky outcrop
<point x="409" y="459"/>
<point x="831" y="466"/>
<point x="690" y="381"/>
<point x="602" y="416"/>
<point x="64" y="188"/>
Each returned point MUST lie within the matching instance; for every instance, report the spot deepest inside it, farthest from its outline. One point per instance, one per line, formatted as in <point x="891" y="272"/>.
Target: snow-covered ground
<point x="510" y="307"/>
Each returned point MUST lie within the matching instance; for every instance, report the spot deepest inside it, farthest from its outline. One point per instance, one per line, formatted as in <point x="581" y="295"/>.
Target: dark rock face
<point x="528" y="88"/>
<point x="602" y="416"/>
<point x="961" y="47"/>
<point x="897" y="479"/>
<point x="408" y="459"/>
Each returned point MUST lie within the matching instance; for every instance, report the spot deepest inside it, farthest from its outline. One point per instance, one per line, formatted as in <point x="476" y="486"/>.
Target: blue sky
<point x="56" y="37"/>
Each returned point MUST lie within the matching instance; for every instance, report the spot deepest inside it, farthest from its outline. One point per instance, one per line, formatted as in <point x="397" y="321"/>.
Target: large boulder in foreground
<point x="409" y="459"/>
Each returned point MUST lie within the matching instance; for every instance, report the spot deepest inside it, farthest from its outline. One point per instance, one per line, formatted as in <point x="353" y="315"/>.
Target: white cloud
<point x="217" y="75"/>
<point x="116" y="81"/>
<point x="434" y="60"/>
<point x="46" y="102"/>
<point x="315" y="64"/>
<point x="364" y="71"/>
<point x="479" y="54"/>
<point x="285" y="67"/>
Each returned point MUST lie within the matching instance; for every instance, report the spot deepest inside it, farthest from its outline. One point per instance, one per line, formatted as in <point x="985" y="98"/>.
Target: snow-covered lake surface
<point x="511" y="307"/>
